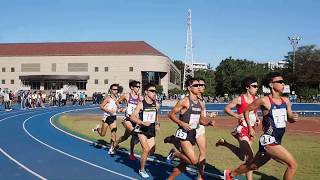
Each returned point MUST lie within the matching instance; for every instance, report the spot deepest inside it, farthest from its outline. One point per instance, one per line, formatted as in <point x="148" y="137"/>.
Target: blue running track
<point x="32" y="148"/>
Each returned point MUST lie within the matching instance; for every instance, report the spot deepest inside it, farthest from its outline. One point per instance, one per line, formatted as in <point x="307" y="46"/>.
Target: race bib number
<point x="279" y="117"/>
<point x="149" y="116"/>
<point x="181" y="134"/>
<point x="194" y="121"/>
<point x="266" y="139"/>
<point x="252" y="118"/>
<point x="131" y="108"/>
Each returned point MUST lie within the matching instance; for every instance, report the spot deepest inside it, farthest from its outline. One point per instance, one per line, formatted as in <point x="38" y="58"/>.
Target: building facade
<point x="90" y="66"/>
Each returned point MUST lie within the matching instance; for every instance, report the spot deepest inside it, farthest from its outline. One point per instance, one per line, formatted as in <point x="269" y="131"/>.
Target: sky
<point x="242" y="29"/>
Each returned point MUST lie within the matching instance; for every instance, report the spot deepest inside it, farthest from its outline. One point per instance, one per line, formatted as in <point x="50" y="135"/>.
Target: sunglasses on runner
<point x="279" y="81"/>
<point x="114" y="89"/>
<point x="254" y="86"/>
<point x="195" y="85"/>
<point x="137" y="86"/>
<point x="152" y="90"/>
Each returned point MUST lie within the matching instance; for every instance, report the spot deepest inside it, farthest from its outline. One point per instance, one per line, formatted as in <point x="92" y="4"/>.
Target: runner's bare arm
<point x="231" y="105"/>
<point x="157" y="118"/>
<point x="292" y="117"/>
<point x="135" y="114"/>
<point x="181" y="105"/>
<point x="254" y="105"/>
<point x="104" y="103"/>
<point x="122" y="98"/>
<point x="205" y="120"/>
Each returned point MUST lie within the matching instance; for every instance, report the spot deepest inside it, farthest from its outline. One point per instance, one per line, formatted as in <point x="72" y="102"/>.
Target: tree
<point x="230" y="73"/>
<point x="159" y="89"/>
<point x="180" y="65"/>
<point x="307" y="74"/>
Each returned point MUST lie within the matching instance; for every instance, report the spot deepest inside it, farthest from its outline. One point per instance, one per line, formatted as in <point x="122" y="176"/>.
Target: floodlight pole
<point x="294" y="41"/>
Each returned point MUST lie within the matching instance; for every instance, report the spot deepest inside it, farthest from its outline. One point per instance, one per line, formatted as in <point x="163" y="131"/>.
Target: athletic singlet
<point x="111" y="105"/>
<point x="149" y="112"/>
<point x="192" y="115"/>
<point x="132" y="104"/>
<point x="274" y="123"/>
<point x="252" y="114"/>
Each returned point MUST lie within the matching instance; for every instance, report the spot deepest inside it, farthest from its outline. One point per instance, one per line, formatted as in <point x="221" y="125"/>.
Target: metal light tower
<point x="188" y="60"/>
<point x="294" y="41"/>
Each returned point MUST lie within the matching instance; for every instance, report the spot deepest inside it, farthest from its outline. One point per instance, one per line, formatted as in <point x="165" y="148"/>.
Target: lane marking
<point x="21" y="165"/>
<point x="69" y="155"/>
<point x="126" y="152"/>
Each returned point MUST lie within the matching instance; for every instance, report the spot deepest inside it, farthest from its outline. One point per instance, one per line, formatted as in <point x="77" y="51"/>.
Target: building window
<point x="30" y="67"/>
<point x="106" y="69"/>
<point x="131" y="69"/>
<point x="53" y="67"/>
<point x="3" y="69"/>
<point x="106" y="81"/>
<point x="12" y="69"/>
<point x="3" y="81"/>
<point x="12" y="81"/>
<point x="96" y="81"/>
<point x="77" y="67"/>
<point x="96" y="69"/>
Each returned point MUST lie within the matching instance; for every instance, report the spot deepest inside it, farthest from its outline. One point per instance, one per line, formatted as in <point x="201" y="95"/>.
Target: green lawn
<point x="305" y="148"/>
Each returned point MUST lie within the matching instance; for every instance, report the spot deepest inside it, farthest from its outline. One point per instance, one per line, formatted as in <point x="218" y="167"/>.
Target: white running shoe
<point x="170" y="156"/>
<point x="143" y="173"/>
<point x="111" y="151"/>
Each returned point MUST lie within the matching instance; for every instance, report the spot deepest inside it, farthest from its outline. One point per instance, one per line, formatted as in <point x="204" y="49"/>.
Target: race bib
<point x="194" y="121"/>
<point x="266" y="139"/>
<point x="181" y="134"/>
<point x="131" y="108"/>
<point x="279" y="117"/>
<point x="149" y="116"/>
<point x="252" y="118"/>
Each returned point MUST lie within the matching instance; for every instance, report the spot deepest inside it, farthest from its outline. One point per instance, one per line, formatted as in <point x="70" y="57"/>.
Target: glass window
<point x="3" y="81"/>
<point x="12" y="81"/>
<point x="131" y="69"/>
<point x="3" y="69"/>
<point x="106" y="69"/>
<point x="96" y="81"/>
<point x="53" y="67"/>
<point x="96" y="69"/>
<point x="12" y="69"/>
<point x="106" y="81"/>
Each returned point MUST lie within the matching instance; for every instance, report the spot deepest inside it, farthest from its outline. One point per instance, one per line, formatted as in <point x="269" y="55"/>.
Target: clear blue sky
<point x="255" y="30"/>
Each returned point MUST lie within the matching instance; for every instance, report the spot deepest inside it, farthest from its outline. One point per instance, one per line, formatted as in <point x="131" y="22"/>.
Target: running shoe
<point x="226" y="175"/>
<point x="143" y="173"/>
<point x="111" y="151"/>
<point x="220" y="142"/>
<point x="132" y="157"/>
<point x="170" y="156"/>
<point x="96" y="128"/>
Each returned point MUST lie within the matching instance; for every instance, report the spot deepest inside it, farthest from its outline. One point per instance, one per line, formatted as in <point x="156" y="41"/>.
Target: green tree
<point x="230" y="73"/>
<point x="307" y="74"/>
<point x="159" y="89"/>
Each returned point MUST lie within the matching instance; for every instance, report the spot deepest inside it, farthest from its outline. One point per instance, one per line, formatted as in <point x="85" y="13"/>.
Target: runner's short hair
<point x="133" y="83"/>
<point x="247" y="81"/>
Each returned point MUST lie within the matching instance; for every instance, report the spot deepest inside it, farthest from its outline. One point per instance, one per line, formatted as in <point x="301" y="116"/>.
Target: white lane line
<point x="69" y="155"/>
<point x="14" y="116"/>
<point x="126" y="152"/>
<point x="21" y="165"/>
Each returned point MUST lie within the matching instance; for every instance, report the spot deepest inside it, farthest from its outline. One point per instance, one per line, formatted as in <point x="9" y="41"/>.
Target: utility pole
<point x="294" y="41"/>
<point x="188" y="60"/>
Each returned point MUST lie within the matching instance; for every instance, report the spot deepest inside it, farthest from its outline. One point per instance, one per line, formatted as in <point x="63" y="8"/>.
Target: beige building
<point x="91" y="66"/>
